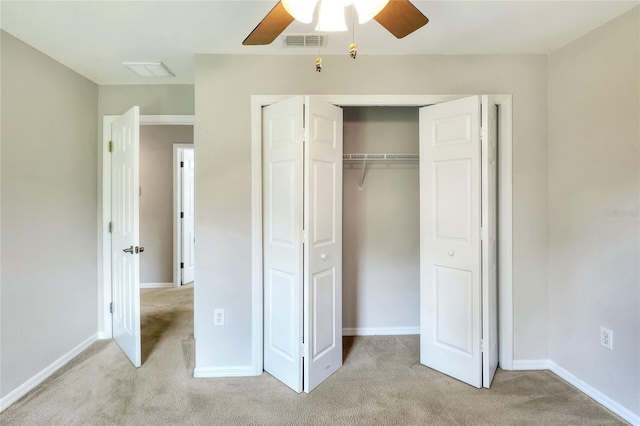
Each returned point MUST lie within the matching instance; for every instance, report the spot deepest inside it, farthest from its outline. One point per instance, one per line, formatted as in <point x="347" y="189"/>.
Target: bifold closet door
<point x="489" y="136"/>
<point x="323" y="248"/>
<point x="302" y="241"/>
<point x="125" y="233"/>
<point x="282" y="183"/>
<point x="450" y="245"/>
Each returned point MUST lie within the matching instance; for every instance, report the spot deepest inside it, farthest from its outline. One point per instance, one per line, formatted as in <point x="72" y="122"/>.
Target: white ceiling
<point x="95" y="37"/>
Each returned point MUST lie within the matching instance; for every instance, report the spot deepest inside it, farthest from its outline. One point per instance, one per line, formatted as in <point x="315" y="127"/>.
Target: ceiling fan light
<point x="367" y="9"/>
<point x="331" y="17"/>
<point x="301" y="10"/>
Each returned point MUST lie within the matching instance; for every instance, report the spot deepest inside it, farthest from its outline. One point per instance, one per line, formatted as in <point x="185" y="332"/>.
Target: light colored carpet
<point x="382" y="382"/>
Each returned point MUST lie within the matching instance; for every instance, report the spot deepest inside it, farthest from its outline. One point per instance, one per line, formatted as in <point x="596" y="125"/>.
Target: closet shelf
<point x="377" y="157"/>
<point x="380" y="157"/>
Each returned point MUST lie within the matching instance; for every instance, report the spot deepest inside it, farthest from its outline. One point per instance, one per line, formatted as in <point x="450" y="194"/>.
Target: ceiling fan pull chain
<point x="319" y="60"/>
<point x="353" y="48"/>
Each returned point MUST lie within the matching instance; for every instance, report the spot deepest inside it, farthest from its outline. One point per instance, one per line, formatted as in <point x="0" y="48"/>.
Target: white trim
<point x="380" y="331"/>
<point x="505" y="200"/>
<point x="156" y="285"/>
<point x="223" y="372"/>
<point x="595" y="394"/>
<point x="104" y="238"/>
<point x="177" y="197"/>
<point x="531" y="364"/>
<point x="103" y="336"/>
<point x="21" y="390"/>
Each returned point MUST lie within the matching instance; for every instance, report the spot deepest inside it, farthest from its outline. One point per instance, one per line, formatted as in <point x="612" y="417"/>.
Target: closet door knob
<point x="451" y="253"/>
<point x="323" y="257"/>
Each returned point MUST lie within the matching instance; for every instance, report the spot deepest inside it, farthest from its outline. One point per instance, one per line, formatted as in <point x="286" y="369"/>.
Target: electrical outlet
<point x="606" y="338"/>
<point x="218" y="317"/>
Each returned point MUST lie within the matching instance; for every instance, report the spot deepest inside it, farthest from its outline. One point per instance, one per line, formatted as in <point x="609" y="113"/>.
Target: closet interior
<point x="381" y="221"/>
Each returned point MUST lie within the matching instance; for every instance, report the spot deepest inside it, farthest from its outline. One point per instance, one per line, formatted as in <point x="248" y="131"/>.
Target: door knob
<point x="139" y="249"/>
<point x="128" y="250"/>
<point x="451" y="253"/>
<point x="323" y="257"/>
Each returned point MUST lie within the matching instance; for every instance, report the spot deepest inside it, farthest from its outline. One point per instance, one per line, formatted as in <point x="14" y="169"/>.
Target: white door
<point x="489" y="240"/>
<point x="125" y="261"/>
<point x="302" y="241"/>
<point x="323" y="249"/>
<point x="282" y="170"/>
<point x="450" y="257"/>
<point x="188" y="217"/>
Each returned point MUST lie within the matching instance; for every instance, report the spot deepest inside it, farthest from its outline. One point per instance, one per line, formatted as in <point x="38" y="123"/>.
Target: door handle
<point x="139" y="249"/>
<point x="128" y="250"/>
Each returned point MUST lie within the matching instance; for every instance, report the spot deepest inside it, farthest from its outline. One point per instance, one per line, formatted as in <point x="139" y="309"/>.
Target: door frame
<point x="178" y="148"/>
<point x="104" y="211"/>
<point x="505" y="210"/>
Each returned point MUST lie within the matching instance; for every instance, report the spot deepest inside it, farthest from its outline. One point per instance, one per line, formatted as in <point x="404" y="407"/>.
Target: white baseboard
<point x="531" y="364"/>
<point x="223" y="372"/>
<point x="156" y="285"/>
<point x="595" y="394"/>
<point x="379" y="331"/>
<point x="21" y="390"/>
<point x="103" y="336"/>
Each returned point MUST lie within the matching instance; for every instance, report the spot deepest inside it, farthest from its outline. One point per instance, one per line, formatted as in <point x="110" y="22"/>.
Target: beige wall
<point x="49" y="267"/>
<point x="156" y="201"/>
<point x="152" y="100"/>
<point x="593" y="169"/>
<point x="223" y="177"/>
<point x="162" y="99"/>
<point x="381" y="223"/>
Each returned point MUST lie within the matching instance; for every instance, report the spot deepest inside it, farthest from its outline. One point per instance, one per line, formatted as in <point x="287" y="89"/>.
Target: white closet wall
<point x="381" y="227"/>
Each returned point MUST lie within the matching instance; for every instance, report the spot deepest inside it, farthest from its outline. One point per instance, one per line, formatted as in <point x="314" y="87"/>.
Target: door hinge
<point x="182" y="164"/>
<point x="482" y="234"/>
<point x="304" y="237"/>
<point x="181" y="215"/>
<point x="303" y="350"/>
<point x="110" y="146"/>
<point x="181" y="265"/>
<point x="110" y="227"/>
<point x="111" y="307"/>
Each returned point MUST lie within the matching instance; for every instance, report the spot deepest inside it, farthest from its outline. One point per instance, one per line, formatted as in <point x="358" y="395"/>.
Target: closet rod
<point x="377" y="157"/>
<point x="380" y="157"/>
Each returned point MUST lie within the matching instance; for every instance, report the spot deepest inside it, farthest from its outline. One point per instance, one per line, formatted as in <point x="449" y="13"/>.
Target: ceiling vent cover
<point x="149" y="69"/>
<point x="304" y="40"/>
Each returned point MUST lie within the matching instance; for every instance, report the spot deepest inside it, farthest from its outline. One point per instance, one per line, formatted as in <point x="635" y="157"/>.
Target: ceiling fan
<point x="399" y="17"/>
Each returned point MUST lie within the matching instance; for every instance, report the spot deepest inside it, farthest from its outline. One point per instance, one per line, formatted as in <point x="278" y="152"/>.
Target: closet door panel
<point x="282" y="240"/>
<point x="450" y="256"/>
<point x="323" y="253"/>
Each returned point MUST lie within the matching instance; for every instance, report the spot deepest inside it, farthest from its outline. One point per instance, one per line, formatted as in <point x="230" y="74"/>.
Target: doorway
<point x="161" y="202"/>
<point x="106" y="282"/>
<point x="504" y="196"/>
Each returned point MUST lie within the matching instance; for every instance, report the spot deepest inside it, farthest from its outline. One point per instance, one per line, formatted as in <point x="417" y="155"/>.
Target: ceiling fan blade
<point x="270" y="27"/>
<point x="401" y="18"/>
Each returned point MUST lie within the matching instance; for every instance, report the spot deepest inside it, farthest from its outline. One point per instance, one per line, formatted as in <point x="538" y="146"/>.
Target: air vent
<point x="304" y="40"/>
<point x="149" y="69"/>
